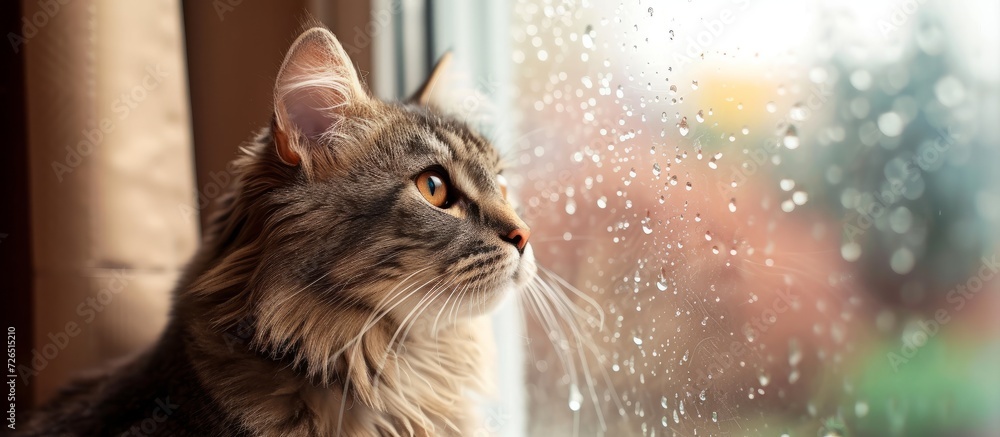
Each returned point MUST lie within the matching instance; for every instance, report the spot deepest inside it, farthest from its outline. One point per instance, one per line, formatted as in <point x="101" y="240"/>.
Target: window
<point x="771" y="218"/>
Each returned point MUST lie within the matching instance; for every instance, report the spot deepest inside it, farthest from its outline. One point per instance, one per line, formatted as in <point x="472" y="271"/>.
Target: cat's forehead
<point x="452" y="141"/>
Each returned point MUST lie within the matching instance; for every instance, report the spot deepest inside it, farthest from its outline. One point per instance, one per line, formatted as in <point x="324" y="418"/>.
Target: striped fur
<point x="328" y="296"/>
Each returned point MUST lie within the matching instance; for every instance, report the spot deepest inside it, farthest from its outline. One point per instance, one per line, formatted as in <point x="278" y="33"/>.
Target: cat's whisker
<point x="567" y="309"/>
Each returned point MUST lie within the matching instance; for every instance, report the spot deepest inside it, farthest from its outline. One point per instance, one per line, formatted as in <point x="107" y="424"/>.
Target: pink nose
<point x="519" y="238"/>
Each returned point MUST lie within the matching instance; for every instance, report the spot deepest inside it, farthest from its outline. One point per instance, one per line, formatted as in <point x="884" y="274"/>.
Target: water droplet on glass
<point x="771" y="107"/>
<point x="588" y="37"/>
<point x="694" y="84"/>
<point x="850" y="251"/>
<point x="902" y="261"/>
<point x="890" y="124"/>
<point x="650" y="10"/>
<point x="700" y="116"/>
<point x="786" y="184"/>
<point x="732" y="205"/>
<point x="688" y="186"/>
<point x="602" y="202"/>
<point x="683" y="127"/>
<point x="791" y="138"/>
<point x="800" y="197"/>
<point x="575" y="398"/>
<point x="656" y="169"/>
<point x="949" y="91"/>
<point x="861" y="409"/>
<point x="798" y="112"/>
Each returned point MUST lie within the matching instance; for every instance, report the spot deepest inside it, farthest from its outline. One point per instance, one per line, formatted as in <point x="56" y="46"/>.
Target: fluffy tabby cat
<point x="338" y="290"/>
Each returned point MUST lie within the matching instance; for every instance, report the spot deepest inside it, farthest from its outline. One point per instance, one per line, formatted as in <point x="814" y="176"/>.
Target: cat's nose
<point x="518" y="237"/>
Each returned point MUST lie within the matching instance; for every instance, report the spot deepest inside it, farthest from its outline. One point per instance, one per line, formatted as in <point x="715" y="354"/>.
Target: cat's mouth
<point x="525" y="269"/>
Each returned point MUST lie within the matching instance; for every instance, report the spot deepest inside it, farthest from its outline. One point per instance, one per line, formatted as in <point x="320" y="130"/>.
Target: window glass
<point x="760" y="217"/>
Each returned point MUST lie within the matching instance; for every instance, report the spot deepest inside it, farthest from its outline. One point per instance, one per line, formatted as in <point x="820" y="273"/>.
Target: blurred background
<point x="758" y="217"/>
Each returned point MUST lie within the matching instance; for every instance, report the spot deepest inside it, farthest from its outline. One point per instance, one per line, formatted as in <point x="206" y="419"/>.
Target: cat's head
<point x="391" y="206"/>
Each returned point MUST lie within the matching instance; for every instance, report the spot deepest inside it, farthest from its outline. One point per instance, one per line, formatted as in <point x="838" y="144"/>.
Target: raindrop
<point x="602" y="202"/>
<point x="650" y="10"/>
<point x="683" y="127"/>
<point x="661" y="284"/>
<point x="588" y="37"/>
<point x="791" y="139"/>
<point x="575" y="398"/>
<point x="861" y="80"/>
<point x="798" y="112"/>
<point x="786" y="184"/>
<point x="700" y="116"/>
<point x="891" y="124"/>
<point x="732" y="205"/>
<point x="656" y="169"/>
<point x="694" y="84"/>
<point x="902" y="261"/>
<point x="850" y="251"/>
<point x="949" y="91"/>
<point x="861" y="409"/>
<point x="788" y="206"/>
<point x="663" y="401"/>
<point x="688" y="186"/>
<point x="637" y="340"/>
<point x="771" y="107"/>
<point x="800" y="197"/>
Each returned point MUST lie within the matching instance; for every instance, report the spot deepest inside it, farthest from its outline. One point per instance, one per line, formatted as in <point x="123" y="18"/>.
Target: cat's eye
<point x="502" y="182"/>
<point x="433" y="187"/>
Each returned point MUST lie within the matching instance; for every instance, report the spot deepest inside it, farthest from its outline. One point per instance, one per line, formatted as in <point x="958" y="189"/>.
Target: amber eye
<point x="502" y="181"/>
<point x="431" y="185"/>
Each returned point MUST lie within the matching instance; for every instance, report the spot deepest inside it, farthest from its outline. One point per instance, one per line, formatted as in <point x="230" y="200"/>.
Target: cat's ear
<point x="425" y="94"/>
<point x="316" y="86"/>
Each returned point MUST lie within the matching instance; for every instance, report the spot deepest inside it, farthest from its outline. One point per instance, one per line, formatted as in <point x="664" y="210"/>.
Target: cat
<point x="340" y="289"/>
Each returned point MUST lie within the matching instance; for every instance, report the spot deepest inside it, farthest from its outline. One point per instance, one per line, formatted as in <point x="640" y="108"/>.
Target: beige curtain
<point x="110" y="163"/>
<point x="116" y="187"/>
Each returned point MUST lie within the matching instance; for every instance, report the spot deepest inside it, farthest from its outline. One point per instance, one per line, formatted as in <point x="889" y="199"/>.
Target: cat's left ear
<point x="316" y="89"/>
<point x="424" y="95"/>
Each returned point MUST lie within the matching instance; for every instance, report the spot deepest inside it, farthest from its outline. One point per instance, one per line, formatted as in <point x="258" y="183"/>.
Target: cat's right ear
<point x="316" y="87"/>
